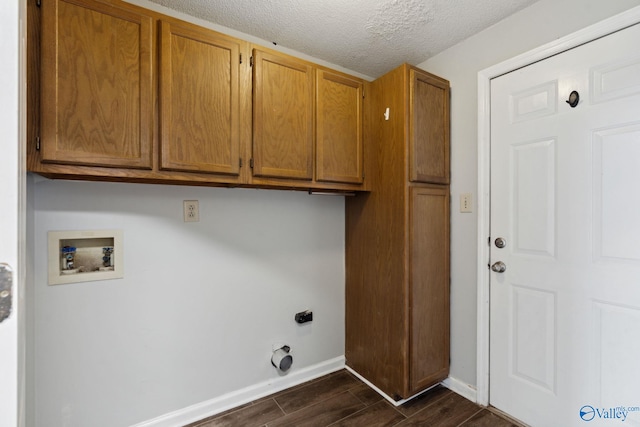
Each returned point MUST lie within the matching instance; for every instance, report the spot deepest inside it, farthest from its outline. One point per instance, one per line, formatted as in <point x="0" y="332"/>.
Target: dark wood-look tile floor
<point x="341" y="399"/>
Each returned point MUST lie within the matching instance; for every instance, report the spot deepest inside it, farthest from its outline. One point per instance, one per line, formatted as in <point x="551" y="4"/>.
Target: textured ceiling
<point x="367" y="36"/>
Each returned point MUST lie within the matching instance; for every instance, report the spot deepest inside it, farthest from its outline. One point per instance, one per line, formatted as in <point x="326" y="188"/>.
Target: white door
<point x="9" y="202"/>
<point x="565" y="197"/>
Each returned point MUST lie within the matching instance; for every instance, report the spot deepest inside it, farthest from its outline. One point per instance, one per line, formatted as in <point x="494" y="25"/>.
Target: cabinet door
<point x="282" y="117"/>
<point x="429" y="286"/>
<point x="97" y="84"/>
<point x="338" y="128"/>
<point x="429" y="128"/>
<point x="199" y="100"/>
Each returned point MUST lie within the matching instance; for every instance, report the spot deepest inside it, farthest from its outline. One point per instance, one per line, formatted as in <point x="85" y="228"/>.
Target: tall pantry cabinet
<point x="397" y="238"/>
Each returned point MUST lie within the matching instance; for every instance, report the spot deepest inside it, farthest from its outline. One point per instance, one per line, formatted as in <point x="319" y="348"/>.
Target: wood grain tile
<point x="295" y="388"/>
<point x="340" y="399"/>
<point x="203" y="422"/>
<point x="322" y="413"/>
<point x="316" y="392"/>
<point x="381" y="414"/>
<point x="366" y="394"/>
<point x="425" y="399"/>
<point x="486" y="418"/>
<point x="449" y="411"/>
<point x="252" y="415"/>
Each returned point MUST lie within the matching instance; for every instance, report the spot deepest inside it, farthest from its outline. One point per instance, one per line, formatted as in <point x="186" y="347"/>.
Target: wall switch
<point x="465" y="203"/>
<point x="191" y="211"/>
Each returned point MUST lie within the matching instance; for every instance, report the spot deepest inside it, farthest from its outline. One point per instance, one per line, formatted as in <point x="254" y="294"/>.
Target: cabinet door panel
<point x="339" y="128"/>
<point x="199" y="98"/>
<point x="97" y="84"/>
<point x="429" y="129"/>
<point x="282" y="117"/>
<point x="429" y="286"/>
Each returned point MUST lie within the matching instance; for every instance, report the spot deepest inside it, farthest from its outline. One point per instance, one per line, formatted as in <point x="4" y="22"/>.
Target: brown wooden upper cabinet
<point x="199" y="100"/>
<point x="283" y="116"/>
<point x="307" y="121"/>
<point x="339" y="150"/>
<point x="97" y="85"/>
<point x="429" y="129"/>
<point x="118" y="92"/>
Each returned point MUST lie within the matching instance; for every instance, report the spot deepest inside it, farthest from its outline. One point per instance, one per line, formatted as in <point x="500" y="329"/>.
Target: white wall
<point x="200" y="304"/>
<point x="541" y="23"/>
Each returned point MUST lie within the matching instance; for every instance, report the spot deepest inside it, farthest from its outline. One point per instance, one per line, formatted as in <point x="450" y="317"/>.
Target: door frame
<point x="586" y="35"/>
<point x="13" y="188"/>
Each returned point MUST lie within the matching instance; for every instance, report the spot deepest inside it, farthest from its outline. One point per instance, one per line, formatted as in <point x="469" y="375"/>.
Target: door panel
<point x="199" y="101"/>
<point x="615" y="161"/>
<point x="429" y="286"/>
<point x="564" y="196"/>
<point x="97" y="106"/>
<point x="533" y="344"/>
<point x="534" y="197"/>
<point x="339" y="128"/>
<point x="429" y="129"/>
<point x="282" y="117"/>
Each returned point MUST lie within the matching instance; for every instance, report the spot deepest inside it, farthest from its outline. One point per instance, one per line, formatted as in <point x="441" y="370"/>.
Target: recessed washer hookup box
<point x="84" y="256"/>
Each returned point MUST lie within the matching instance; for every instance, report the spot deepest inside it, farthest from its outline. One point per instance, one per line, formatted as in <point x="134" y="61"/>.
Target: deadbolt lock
<point x="500" y="242"/>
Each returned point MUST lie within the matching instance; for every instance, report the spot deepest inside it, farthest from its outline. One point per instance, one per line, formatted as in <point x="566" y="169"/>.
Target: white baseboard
<point x="463" y="389"/>
<point x="227" y="401"/>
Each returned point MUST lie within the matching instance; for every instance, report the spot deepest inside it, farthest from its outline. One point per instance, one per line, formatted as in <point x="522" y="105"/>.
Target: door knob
<point x="499" y="267"/>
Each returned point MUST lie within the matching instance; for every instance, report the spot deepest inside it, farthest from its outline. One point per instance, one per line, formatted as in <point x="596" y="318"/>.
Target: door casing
<point x="601" y="29"/>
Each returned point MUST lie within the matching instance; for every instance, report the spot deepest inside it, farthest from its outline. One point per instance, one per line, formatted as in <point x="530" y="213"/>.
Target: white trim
<point x="484" y="216"/>
<point x="601" y="29"/>
<point x="383" y="394"/>
<point x="22" y="220"/>
<point x="460" y="387"/>
<point x="236" y="398"/>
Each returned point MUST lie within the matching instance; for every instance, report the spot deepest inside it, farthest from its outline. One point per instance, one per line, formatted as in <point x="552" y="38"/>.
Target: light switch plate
<point x="465" y="203"/>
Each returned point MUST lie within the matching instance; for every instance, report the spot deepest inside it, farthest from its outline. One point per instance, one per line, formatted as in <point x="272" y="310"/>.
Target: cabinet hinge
<point x="251" y="61"/>
<point x="37" y="143"/>
<point x="241" y="58"/>
<point x="251" y="163"/>
<point x="38" y="3"/>
<point x="240" y="161"/>
<point x="362" y="93"/>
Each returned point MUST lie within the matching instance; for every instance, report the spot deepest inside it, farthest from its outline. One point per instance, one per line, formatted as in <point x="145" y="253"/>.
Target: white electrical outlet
<point x="191" y="211"/>
<point x="465" y="203"/>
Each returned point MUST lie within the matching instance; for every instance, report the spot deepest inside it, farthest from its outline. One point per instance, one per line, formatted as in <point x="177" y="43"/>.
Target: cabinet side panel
<point x="429" y="133"/>
<point x="33" y="84"/>
<point x="376" y="309"/>
<point x="429" y="286"/>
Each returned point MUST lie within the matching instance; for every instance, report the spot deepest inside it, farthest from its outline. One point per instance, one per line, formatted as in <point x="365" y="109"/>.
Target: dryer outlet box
<point x="304" y="316"/>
